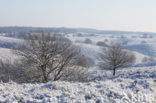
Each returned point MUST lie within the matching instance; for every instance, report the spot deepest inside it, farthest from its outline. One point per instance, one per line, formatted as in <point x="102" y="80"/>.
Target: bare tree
<point x="47" y="55"/>
<point x="115" y="57"/>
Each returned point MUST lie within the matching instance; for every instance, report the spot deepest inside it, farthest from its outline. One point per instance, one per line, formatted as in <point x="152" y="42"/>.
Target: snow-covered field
<point x="135" y="85"/>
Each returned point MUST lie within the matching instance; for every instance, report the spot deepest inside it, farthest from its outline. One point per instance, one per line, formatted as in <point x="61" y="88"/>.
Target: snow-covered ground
<point x="135" y="85"/>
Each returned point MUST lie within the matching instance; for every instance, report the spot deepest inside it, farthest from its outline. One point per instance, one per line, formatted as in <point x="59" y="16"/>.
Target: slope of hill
<point x="93" y="51"/>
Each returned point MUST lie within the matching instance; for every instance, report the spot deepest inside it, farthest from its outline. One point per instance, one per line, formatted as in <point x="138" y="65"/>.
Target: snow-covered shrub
<point x="124" y="43"/>
<point x="111" y="36"/>
<point x="144" y="36"/>
<point x="80" y="35"/>
<point x="122" y="37"/>
<point x="143" y="42"/>
<point x="91" y="34"/>
<point x="106" y="40"/>
<point x="88" y="41"/>
<point x="77" y="41"/>
<point x="13" y="72"/>
<point x="133" y="36"/>
<point x="147" y="59"/>
<point x="84" y="61"/>
<point x="151" y="36"/>
<point x="101" y="43"/>
<point x="76" y="74"/>
<point x="79" y="70"/>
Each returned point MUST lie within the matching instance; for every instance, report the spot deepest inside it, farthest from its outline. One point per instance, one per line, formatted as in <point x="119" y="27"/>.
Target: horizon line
<point x="81" y="28"/>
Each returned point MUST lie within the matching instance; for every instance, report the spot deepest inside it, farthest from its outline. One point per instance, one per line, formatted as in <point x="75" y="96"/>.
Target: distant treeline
<point x="22" y="30"/>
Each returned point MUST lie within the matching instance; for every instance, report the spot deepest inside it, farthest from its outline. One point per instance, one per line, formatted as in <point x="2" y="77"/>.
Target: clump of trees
<point x="114" y="57"/>
<point x="48" y="56"/>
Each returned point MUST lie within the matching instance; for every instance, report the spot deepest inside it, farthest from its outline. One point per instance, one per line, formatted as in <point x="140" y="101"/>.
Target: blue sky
<point x="132" y="15"/>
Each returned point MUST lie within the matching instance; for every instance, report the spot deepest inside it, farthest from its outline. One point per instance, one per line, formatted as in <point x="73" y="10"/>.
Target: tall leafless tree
<point x="115" y="56"/>
<point x="47" y="54"/>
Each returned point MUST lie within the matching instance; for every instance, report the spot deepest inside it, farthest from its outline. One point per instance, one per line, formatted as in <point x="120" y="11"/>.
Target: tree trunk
<point x="45" y="78"/>
<point x="114" y="71"/>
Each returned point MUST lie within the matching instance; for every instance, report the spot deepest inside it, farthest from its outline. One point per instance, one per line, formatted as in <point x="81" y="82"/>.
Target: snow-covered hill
<point x="7" y="55"/>
<point x="143" y="46"/>
<point x="9" y="39"/>
<point x="129" y="86"/>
